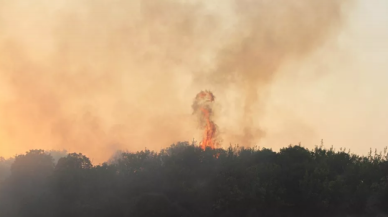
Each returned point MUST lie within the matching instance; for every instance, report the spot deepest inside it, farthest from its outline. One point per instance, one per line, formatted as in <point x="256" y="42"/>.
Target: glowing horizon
<point x="93" y="77"/>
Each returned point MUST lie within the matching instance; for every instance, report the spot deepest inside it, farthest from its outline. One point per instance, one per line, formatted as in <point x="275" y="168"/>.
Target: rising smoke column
<point x="95" y="76"/>
<point x="202" y="107"/>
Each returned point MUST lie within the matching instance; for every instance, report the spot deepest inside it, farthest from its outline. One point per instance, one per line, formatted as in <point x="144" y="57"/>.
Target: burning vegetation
<point x="203" y="108"/>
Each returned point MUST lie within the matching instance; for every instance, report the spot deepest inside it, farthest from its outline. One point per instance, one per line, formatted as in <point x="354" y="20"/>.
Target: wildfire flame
<point x="202" y="107"/>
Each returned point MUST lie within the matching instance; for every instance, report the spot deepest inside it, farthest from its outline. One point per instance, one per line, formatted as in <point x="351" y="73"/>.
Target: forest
<point x="184" y="180"/>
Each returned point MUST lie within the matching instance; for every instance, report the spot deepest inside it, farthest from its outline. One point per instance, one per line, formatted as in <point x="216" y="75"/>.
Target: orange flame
<point x="202" y="106"/>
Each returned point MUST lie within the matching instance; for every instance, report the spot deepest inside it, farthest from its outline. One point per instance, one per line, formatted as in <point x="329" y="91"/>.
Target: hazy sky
<point x="97" y="76"/>
<point x="348" y="105"/>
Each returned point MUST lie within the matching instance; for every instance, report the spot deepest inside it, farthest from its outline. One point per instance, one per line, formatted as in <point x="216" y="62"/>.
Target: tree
<point x="185" y="180"/>
<point x="5" y="168"/>
<point x="29" y="187"/>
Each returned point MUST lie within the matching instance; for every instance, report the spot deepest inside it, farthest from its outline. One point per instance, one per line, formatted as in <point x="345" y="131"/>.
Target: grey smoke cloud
<point x="97" y="76"/>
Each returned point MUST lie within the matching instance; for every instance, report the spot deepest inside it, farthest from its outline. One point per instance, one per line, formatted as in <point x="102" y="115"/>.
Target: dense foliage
<point x="184" y="180"/>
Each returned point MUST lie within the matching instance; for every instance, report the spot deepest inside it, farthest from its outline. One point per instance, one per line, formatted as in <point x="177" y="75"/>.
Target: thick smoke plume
<point x="97" y="76"/>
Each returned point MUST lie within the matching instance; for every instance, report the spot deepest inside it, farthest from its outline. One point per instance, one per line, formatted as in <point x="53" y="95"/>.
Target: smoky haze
<point x="96" y="76"/>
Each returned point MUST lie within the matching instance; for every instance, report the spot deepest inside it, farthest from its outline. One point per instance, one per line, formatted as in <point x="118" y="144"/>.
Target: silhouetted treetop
<point x="185" y="180"/>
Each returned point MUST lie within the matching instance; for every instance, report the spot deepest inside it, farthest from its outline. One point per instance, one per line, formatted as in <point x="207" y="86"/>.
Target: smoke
<point x="203" y="109"/>
<point x="97" y="76"/>
<point x="269" y="34"/>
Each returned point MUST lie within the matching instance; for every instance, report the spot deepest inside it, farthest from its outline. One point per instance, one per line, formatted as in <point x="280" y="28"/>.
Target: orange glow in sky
<point x="95" y="77"/>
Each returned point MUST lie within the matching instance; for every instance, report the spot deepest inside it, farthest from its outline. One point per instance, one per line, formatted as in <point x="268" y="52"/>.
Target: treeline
<point x="183" y="180"/>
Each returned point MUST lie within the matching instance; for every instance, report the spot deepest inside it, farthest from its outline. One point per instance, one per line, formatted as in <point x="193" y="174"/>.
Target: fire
<point x="202" y="107"/>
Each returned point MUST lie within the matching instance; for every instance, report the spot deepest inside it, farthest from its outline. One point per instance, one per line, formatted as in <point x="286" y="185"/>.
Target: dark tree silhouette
<point x="28" y="186"/>
<point x="185" y="180"/>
